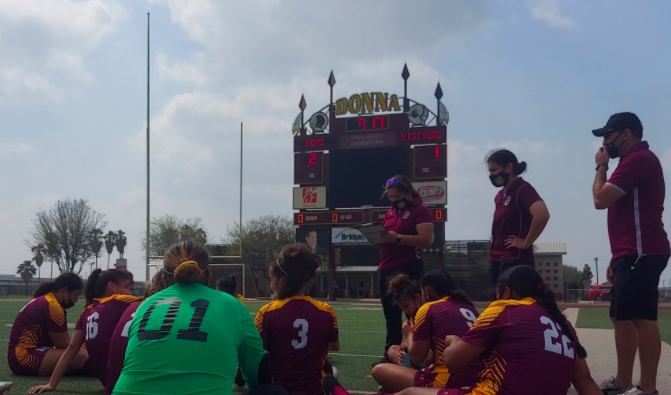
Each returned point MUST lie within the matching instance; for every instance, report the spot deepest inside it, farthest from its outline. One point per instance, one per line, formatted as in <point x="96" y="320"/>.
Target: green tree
<point x="169" y="229"/>
<point x="26" y="266"/>
<point x="587" y="273"/>
<point x="572" y="275"/>
<point x="262" y="240"/>
<point x="64" y="230"/>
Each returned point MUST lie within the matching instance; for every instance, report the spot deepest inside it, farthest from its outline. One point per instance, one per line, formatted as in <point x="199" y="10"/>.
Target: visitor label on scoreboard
<point x="347" y="236"/>
<point x="309" y="197"/>
<point x="432" y="192"/>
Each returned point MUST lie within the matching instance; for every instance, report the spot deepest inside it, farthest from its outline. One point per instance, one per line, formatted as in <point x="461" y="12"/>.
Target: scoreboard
<point x="351" y="147"/>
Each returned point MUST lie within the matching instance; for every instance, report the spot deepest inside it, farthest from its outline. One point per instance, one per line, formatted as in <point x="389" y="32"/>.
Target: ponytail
<point x="504" y="157"/>
<point x="526" y="282"/>
<point x="96" y="285"/>
<point x="90" y="291"/>
<point x="403" y="288"/>
<point x="67" y="280"/>
<point x="442" y="284"/>
<point x="297" y="265"/>
<point x="186" y="262"/>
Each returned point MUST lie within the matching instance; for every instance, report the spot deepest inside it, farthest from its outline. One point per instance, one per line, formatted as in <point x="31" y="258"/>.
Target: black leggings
<point x="393" y="313"/>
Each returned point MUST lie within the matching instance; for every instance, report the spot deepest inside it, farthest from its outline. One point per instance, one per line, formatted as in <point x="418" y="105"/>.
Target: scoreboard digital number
<point x="309" y="168"/>
<point x="365" y="124"/>
<point x="438" y="215"/>
<point x="329" y="218"/>
<point x="429" y="161"/>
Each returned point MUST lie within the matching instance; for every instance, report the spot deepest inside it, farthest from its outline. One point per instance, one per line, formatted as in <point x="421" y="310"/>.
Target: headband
<point x="183" y="264"/>
<point x="280" y="266"/>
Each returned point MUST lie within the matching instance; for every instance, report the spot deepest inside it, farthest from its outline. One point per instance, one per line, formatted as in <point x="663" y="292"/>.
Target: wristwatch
<point x="601" y="164"/>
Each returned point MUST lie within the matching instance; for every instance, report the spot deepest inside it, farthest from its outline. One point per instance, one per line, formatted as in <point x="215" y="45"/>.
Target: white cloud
<point x="17" y="148"/>
<point x="20" y="87"/>
<point x="548" y="11"/>
<point x="200" y="70"/>
<point x="46" y="37"/>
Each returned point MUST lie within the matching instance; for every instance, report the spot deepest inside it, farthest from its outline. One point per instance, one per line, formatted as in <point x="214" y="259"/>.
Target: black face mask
<point x="399" y="205"/>
<point x="66" y="305"/>
<point x="613" y="151"/>
<point x="500" y="179"/>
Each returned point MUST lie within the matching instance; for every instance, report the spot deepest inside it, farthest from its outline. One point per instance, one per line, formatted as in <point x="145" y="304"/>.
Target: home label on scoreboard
<point x="438" y="215"/>
<point x="329" y="217"/>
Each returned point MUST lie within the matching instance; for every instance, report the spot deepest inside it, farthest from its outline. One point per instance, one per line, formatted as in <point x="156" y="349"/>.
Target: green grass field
<point x="362" y="335"/>
<point x="599" y="319"/>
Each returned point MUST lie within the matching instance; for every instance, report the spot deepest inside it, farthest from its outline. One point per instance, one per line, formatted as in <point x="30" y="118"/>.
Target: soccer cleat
<point x="5" y="386"/>
<point x="608" y="387"/>
<point x="333" y="387"/>
<point x="335" y="372"/>
<point x="634" y="390"/>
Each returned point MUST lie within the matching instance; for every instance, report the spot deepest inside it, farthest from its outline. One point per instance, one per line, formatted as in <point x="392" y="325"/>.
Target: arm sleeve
<point x="423" y="215"/>
<point x="423" y="323"/>
<point x="627" y="175"/>
<point x="487" y="327"/>
<point x="254" y="364"/>
<point x="526" y="196"/>
<point x="55" y="319"/>
<point x="333" y="328"/>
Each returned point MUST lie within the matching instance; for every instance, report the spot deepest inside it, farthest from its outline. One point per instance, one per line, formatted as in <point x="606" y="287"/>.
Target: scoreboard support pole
<point x="331" y="275"/>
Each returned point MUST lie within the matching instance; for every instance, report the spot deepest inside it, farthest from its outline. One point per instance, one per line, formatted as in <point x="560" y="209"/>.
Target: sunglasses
<point x="392" y="182"/>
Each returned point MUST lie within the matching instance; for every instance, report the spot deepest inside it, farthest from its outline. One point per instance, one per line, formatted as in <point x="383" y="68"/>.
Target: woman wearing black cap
<point x="520" y="215"/>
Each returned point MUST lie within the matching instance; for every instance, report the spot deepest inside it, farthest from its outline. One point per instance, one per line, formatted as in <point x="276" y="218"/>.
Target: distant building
<point x="550" y="265"/>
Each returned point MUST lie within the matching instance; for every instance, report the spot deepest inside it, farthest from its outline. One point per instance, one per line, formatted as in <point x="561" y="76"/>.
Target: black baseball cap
<point x="621" y="121"/>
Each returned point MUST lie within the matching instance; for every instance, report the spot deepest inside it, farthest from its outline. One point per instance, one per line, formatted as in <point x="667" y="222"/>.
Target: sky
<point x="533" y="76"/>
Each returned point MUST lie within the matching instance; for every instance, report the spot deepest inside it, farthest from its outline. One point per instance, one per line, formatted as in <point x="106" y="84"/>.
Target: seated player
<point x="446" y="312"/>
<point x="39" y="335"/>
<point x="189" y="338"/>
<point x="528" y="346"/>
<point x="119" y="341"/>
<point x="230" y="287"/>
<point x="109" y="292"/>
<point x="297" y="331"/>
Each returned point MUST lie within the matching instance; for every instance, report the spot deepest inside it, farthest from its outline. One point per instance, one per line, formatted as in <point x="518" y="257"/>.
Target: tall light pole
<point x="148" y="217"/>
<point x="596" y="262"/>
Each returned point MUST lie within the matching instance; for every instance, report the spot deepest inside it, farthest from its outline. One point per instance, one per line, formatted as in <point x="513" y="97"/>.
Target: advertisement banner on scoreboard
<point x="347" y="236"/>
<point x="309" y="197"/>
<point x="432" y="192"/>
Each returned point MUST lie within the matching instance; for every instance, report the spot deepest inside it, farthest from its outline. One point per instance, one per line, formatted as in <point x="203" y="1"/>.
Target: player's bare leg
<point x="394" y="378"/>
<point x="51" y="359"/>
<point x="394" y="354"/>
<point x="626" y="344"/>
<point x="650" y="350"/>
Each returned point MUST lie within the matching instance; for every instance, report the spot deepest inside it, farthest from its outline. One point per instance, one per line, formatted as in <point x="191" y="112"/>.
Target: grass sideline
<point x="599" y="319"/>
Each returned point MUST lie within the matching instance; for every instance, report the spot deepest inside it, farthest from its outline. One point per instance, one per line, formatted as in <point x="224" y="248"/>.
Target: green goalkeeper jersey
<point x="189" y="339"/>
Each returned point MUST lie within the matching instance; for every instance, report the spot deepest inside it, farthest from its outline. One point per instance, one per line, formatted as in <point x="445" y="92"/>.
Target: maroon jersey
<point x="118" y="345"/>
<point x="98" y="322"/>
<point x="35" y="320"/>
<point x="527" y="353"/>
<point x="512" y="217"/>
<point x="403" y="222"/>
<point x="296" y="333"/>
<point x="436" y="320"/>
<point x="635" y="220"/>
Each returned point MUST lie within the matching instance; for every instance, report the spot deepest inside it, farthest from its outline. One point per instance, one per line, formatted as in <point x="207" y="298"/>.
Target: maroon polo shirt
<point x="635" y="220"/>
<point x="403" y="222"/>
<point x="512" y="217"/>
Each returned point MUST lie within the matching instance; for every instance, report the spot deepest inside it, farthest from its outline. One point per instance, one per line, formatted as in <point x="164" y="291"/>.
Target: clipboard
<point x="372" y="232"/>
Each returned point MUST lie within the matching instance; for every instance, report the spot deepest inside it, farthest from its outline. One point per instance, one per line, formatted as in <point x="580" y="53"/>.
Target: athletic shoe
<point x="332" y="386"/>
<point x="608" y="387"/>
<point x="634" y="390"/>
<point x="335" y="371"/>
<point x="5" y="386"/>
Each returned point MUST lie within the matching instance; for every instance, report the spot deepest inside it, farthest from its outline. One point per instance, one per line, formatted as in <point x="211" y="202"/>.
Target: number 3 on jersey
<point x="302" y="341"/>
<point x="552" y="335"/>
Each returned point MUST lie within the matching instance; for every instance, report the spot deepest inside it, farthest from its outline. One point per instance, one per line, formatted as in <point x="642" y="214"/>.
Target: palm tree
<point x="95" y="242"/>
<point x="26" y="270"/>
<point x="110" y="242"/>
<point x="38" y="258"/>
<point x="121" y="242"/>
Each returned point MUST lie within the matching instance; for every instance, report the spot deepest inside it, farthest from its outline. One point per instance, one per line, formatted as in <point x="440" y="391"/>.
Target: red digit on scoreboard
<point x="334" y="217"/>
<point x="312" y="159"/>
<point x="362" y="123"/>
<point x="301" y="218"/>
<point x="439" y="215"/>
<point x="437" y="152"/>
<point x="381" y="122"/>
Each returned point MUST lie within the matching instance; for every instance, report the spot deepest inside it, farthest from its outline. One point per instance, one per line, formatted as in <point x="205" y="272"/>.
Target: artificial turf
<point x="599" y="319"/>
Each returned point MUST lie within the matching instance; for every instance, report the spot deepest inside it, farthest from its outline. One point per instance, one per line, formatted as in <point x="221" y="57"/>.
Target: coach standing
<point x="519" y="217"/>
<point x="409" y="229"/>
<point x="634" y="196"/>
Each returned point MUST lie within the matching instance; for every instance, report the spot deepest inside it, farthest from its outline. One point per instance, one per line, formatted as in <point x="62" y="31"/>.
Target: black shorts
<point x="497" y="268"/>
<point x="635" y="280"/>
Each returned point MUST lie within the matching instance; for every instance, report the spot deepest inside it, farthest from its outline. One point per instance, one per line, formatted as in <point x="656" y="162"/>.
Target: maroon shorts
<point x="425" y="378"/>
<point x="26" y="361"/>
<point x="453" y="391"/>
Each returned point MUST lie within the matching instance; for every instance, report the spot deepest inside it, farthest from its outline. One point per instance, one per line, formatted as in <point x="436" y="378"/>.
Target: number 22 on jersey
<point x="552" y="343"/>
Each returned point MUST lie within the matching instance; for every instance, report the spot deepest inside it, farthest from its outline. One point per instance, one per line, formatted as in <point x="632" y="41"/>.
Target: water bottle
<point x="405" y="361"/>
